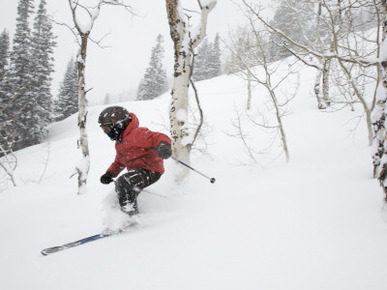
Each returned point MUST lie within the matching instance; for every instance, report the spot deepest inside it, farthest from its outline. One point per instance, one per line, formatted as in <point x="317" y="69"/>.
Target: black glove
<point x="106" y="178"/>
<point x="164" y="150"/>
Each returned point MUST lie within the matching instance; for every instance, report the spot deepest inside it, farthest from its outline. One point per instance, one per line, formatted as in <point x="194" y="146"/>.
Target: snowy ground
<point x="315" y="223"/>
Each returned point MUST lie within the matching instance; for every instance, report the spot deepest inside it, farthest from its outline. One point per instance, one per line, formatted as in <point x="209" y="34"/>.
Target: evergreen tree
<point x="215" y="63"/>
<point x="201" y="70"/>
<point x="18" y="89"/>
<point x="243" y="47"/>
<point x="4" y="53"/>
<point x="207" y="60"/>
<point x="154" y="82"/>
<point x="4" y="62"/>
<point x="67" y="103"/>
<point x="42" y="50"/>
<point x="106" y="100"/>
<point x="296" y="19"/>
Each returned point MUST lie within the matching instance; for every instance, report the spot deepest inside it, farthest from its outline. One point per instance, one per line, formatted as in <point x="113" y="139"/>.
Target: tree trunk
<point x="325" y="82"/>
<point x="317" y="90"/>
<point x="248" y="90"/>
<point x="82" y="33"/>
<point x="380" y="158"/>
<point x="83" y="167"/>
<point x="184" y="42"/>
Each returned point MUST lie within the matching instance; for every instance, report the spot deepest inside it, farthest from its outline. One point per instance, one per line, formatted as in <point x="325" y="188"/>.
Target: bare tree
<point x="342" y="36"/>
<point x="243" y="47"/>
<point x="264" y="74"/>
<point x="82" y="32"/>
<point x="356" y="63"/>
<point x="302" y="22"/>
<point x="8" y="162"/>
<point x="185" y="40"/>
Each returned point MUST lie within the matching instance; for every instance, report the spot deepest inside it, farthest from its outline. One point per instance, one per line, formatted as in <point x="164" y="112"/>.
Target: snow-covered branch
<point x="310" y="50"/>
<point x="206" y="7"/>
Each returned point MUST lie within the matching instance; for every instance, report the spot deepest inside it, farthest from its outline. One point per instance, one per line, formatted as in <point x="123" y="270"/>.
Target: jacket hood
<point x="134" y="123"/>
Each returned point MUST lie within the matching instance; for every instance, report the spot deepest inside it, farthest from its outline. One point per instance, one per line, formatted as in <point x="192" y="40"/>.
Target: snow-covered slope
<point x="314" y="223"/>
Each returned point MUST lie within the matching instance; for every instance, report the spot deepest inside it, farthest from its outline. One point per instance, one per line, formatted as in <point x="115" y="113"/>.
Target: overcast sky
<point x="120" y="67"/>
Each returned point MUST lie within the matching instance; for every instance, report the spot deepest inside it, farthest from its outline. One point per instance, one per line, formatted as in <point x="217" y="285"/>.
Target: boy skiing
<point x="138" y="149"/>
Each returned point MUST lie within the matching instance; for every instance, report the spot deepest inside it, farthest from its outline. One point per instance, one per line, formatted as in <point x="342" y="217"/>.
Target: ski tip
<point x="47" y="251"/>
<point x="43" y="252"/>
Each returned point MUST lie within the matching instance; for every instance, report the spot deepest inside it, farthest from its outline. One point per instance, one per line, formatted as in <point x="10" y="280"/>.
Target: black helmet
<point x="113" y="121"/>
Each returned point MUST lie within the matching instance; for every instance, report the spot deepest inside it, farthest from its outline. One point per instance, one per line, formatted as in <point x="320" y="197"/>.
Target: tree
<point x="294" y="18"/>
<point x="27" y="81"/>
<point x="4" y="53"/>
<point x="67" y="102"/>
<point x="41" y="55"/>
<point x="18" y="89"/>
<point x="185" y="41"/>
<point x="154" y="82"/>
<point x="361" y="59"/>
<point x="201" y="69"/>
<point x="265" y="74"/>
<point x="207" y="60"/>
<point x="215" y="62"/>
<point x="82" y="32"/>
<point x="306" y="23"/>
<point x="6" y="134"/>
<point x="8" y="162"/>
<point x="4" y="62"/>
<point x="243" y="55"/>
<point x="379" y="124"/>
<point x="336" y="48"/>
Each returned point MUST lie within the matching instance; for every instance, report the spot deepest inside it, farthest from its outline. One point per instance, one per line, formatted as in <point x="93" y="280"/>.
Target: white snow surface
<point x="316" y="222"/>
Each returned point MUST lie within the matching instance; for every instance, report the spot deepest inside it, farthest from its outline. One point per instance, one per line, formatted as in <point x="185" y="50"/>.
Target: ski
<point x="77" y="243"/>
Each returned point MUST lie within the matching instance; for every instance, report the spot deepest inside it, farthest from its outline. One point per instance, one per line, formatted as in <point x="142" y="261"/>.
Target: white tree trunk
<point x="82" y="32"/>
<point x="84" y="166"/>
<point x="380" y="158"/>
<point x="317" y="90"/>
<point x="184" y="43"/>
<point x="249" y="93"/>
<point x="325" y="81"/>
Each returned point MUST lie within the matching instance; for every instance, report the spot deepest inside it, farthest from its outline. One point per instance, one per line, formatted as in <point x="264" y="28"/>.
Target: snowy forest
<point x="278" y="174"/>
<point x="342" y="40"/>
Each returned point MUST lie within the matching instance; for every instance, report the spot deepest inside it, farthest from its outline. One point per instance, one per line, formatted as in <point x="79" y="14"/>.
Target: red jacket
<point x="137" y="149"/>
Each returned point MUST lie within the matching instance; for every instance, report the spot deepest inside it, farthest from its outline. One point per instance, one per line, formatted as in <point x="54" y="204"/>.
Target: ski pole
<point x="212" y="180"/>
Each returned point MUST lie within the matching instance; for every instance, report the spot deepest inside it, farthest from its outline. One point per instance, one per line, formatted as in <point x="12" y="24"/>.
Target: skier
<point x="138" y="149"/>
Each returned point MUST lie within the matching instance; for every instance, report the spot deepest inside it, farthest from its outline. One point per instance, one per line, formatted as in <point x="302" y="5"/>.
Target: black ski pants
<point x="129" y="186"/>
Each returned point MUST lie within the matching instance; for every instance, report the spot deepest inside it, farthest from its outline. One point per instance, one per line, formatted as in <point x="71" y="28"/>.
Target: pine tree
<point x="207" y="62"/>
<point x="107" y="100"/>
<point x="18" y="90"/>
<point x="202" y="70"/>
<point x="216" y="67"/>
<point x="4" y="62"/>
<point x="42" y="50"/>
<point x="296" y="19"/>
<point x="67" y="103"/>
<point x="4" y="53"/>
<point x="154" y="82"/>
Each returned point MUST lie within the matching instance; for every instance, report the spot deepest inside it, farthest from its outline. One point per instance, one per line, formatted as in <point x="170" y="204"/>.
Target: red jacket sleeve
<point x="154" y="139"/>
<point x="158" y="138"/>
<point x="116" y="167"/>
